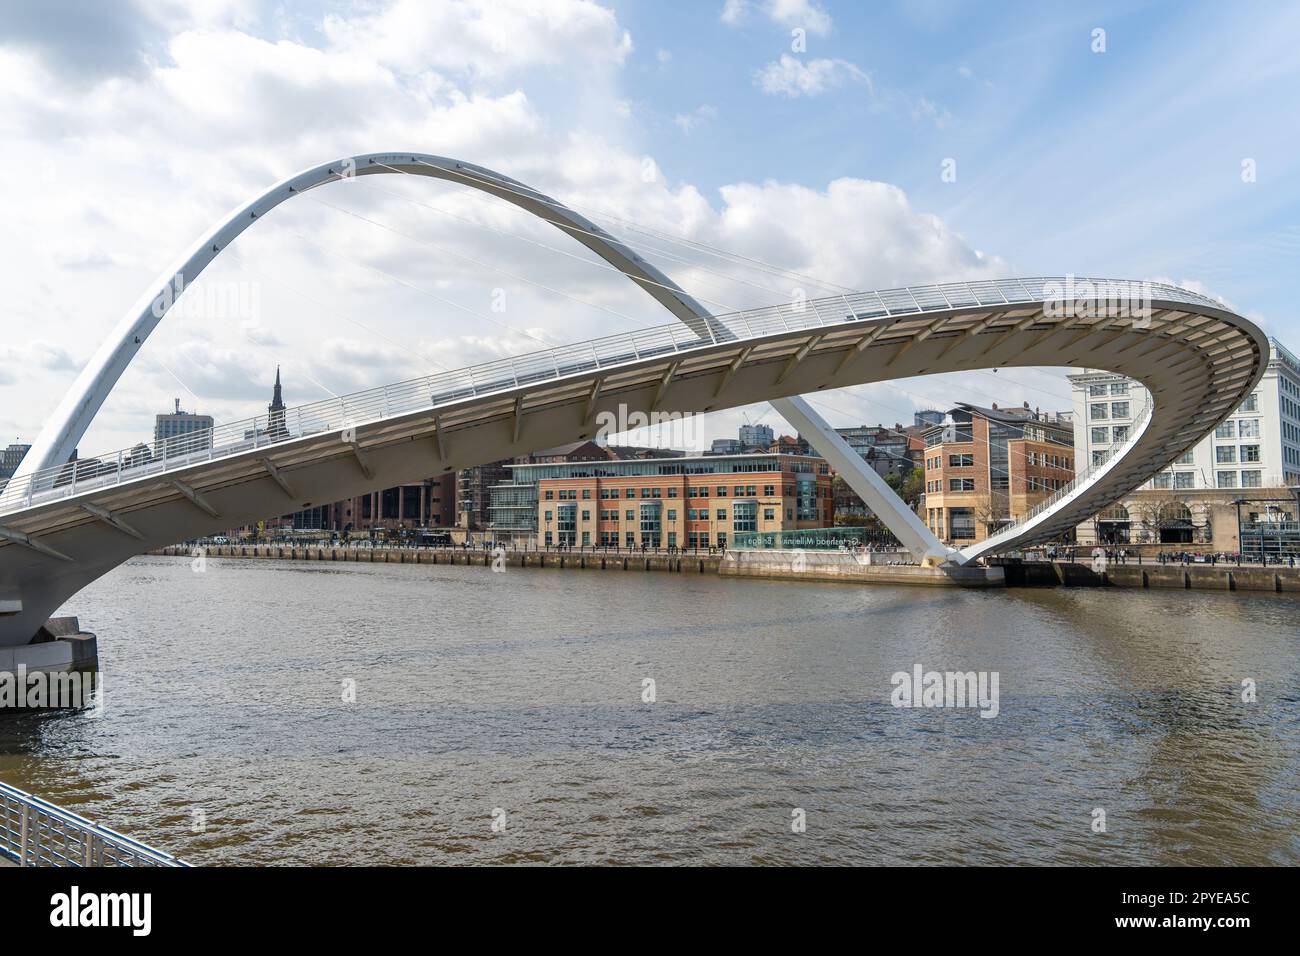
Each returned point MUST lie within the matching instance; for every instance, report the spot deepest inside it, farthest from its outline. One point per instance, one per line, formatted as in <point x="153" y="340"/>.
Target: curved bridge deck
<point x="60" y="528"/>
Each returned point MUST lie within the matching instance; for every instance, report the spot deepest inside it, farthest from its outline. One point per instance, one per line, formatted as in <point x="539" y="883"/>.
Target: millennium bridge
<point x="61" y="529"/>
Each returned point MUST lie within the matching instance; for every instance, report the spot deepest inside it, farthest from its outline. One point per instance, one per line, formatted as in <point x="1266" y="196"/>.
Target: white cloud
<point x="734" y="11"/>
<point x="800" y="13"/>
<point x="221" y="112"/>
<point x="792" y="77"/>
<point x="483" y="37"/>
<point x="787" y="13"/>
<point x="695" y="118"/>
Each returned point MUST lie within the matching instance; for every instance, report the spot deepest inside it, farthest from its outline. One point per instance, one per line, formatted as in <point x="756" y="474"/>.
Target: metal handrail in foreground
<point x="34" y="832"/>
<point x="432" y="391"/>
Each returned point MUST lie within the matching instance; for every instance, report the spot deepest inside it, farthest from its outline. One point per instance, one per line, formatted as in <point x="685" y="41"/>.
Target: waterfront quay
<point x="822" y="566"/>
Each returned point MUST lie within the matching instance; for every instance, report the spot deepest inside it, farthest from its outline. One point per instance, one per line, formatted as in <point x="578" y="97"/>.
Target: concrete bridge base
<point x="854" y="569"/>
<point x="59" y="646"/>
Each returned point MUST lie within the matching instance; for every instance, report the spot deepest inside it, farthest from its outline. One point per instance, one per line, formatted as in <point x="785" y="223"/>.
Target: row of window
<point x="961" y="523"/>
<point x="1115" y="388"/>
<point x="1049" y="461"/>
<point x="1227" y="454"/>
<point x="769" y="491"/>
<point x="1186" y="480"/>
<point x="742" y="514"/>
<point x="610" y="539"/>
<point x="1107" y="436"/>
<point x="1246" y="428"/>
<point x="1103" y="410"/>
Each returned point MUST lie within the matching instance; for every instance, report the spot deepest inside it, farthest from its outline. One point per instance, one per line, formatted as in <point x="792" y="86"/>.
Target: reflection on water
<point x="523" y="691"/>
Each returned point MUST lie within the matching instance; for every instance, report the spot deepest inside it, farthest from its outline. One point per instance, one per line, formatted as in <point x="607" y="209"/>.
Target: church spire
<point x="277" y="401"/>
<point x="275" y="412"/>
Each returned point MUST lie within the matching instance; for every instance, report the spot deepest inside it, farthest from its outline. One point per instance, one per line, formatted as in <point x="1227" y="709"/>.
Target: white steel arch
<point x="74" y="414"/>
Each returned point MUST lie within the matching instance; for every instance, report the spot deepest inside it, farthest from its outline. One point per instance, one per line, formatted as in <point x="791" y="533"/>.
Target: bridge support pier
<point x="61" y="647"/>
<point x="869" y="486"/>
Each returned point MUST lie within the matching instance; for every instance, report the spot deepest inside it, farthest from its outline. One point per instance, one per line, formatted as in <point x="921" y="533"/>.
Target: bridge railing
<point x="34" y="832"/>
<point x="431" y="391"/>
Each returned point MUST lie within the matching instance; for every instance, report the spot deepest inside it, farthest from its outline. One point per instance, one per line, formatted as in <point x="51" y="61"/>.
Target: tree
<point x="910" y="487"/>
<point x="990" y="510"/>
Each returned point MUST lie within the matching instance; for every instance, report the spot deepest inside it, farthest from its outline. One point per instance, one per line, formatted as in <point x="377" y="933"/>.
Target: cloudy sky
<point x="807" y="134"/>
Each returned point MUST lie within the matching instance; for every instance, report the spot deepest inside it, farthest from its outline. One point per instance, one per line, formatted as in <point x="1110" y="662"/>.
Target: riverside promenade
<point x="831" y="566"/>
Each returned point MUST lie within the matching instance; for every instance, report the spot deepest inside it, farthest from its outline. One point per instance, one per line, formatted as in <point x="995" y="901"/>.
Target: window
<point x="586" y="516"/>
<point x="613" y="492"/>
<point x="586" y="538"/>
<point x="672" y="515"/>
<point x="550" y="495"/>
<point x="1100" y="436"/>
<point x="604" y="493"/>
<point x="1249" y="453"/>
<point x="1226" y="430"/>
<point x="1098" y="458"/>
<point x="1225" y="454"/>
<point x="722" y="491"/>
<point x="548" y="516"/>
<point x="1119" y="388"/>
<point x="1248" y="428"/>
<point x="769" y="514"/>
<point x="961" y="524"/>
<point x="1099" y="411"/>
<point x="1250" y="479"/>
<point x="1096" y="390"/>
<point x="743" y="516"/>
<point x="672" y="492"/>
<point x="630" y="515"/>
<point x="961" y="461"/>
<point x="1184" y="480"/>
<point x="1121" y="433"/>
<point x="1226" y="479"/>
<point x="961" y="484"/>
<point x="722" y="514"/>
<point x="586" y="494"/>
<point x="1251" y="404"/>
<point x="769" y="491"/>
<point x="1164" y="480"/>
<point x="1119" y="409"/>
<point x="1184" y="459"/>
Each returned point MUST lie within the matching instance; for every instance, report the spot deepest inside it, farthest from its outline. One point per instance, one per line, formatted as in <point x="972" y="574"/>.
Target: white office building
<point x="1253" y="456"/>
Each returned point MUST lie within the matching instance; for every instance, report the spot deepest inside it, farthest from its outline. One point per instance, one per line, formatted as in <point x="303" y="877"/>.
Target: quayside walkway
<point x="842" y="567"/>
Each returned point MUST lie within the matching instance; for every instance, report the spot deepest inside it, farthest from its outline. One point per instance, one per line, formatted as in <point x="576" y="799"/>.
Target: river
<point x="229" y="735"/>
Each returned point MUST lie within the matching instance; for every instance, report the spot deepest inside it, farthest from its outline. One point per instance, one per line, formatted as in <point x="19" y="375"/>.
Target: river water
<point x="518" y="698"/>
